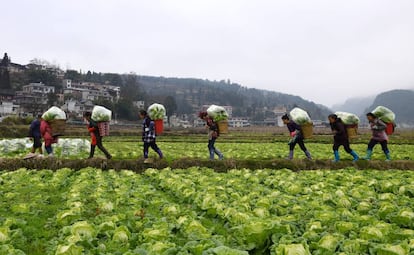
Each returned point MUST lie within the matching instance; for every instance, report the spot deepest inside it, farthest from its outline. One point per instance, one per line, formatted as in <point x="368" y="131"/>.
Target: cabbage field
<point x="252" y="202"/>
<point x="199" y="211"/>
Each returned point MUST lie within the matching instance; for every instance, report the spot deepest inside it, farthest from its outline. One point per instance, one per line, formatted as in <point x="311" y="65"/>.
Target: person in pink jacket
<point x="46" y="132"/>
<point x="378" y="136"/>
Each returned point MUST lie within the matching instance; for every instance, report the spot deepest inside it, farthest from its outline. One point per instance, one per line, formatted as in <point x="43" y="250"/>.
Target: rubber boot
<point x="368" y="156"/>
<point x="290" y="157"/>
<point x="387" y="156"/>
<point x="355" y="155"/>
<point x="219" y="154"/>
<point x="160" y="153"/>
<point x="336" y="156"/>
<point x="92" y="151"/>
<point x="308" y="155"/>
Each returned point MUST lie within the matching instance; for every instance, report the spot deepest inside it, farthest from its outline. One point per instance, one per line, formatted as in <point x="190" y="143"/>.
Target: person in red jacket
<point x="46" y="132"/>
<point x="96" y="138"/>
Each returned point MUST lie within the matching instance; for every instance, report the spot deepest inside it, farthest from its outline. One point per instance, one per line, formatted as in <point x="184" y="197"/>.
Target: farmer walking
<point x="378" y="136"/>
<point x="213" y="134"/>
<point x="340" y="137"/>
<point x="148" y="135"/>
<point x="34" y="133"/>
<point x="96" y="138"/>
<point x="296" y="137"/>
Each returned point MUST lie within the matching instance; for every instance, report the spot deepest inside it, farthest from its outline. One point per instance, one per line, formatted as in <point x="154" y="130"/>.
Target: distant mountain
<point x="356" y="105"/>
<point x="400" y="101"/>
<point x="191" y="94"/>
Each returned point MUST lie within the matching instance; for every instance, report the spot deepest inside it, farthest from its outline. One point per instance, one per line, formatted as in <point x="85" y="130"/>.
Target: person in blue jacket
<point x="34" y="133"/>
<point x="296" y="137"/>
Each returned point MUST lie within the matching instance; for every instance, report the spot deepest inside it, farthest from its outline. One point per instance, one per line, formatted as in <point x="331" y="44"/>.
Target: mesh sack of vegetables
<point x="57" y="120"/>
<point x="300" y="116"/>
<point x="384" y="114"/>
<point x="218" y="113"/>
<point x="351" y="122"/>
<point x="387" y="116"/>
<point x="348" y="118"/>
<point x="54" y="113"/>
<point x="156" y="111"/>
<point x="100" y="114"/>
<point x="220" y="116"/>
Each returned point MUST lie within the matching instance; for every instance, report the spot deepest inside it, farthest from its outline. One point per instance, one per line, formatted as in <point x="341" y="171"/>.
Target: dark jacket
<point x="293" y="127"/>
<point x="34" y="130"/>
<point x="339" y="129"/>
<point x="213" y="131"/>
<point x="148" y="130"/>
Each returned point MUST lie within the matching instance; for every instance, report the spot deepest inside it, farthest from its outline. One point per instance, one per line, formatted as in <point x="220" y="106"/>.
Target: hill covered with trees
<point x="191" y="94"/>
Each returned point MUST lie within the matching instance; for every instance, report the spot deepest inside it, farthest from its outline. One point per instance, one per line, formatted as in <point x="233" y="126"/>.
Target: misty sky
<point x="324" y="51"/>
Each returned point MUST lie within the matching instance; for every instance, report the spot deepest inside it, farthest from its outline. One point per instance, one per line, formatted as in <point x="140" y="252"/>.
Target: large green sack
<point x="217" y="112"/>
<point x="156" y="111"/>
<point x="384" y="114"/>
<point x="348" y="118"/>
<point x="300" y="116"/>
<point x="101" y="114"/>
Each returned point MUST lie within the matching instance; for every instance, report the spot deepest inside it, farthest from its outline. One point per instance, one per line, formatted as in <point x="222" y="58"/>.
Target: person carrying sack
<point x="213" y="133"/>
<point x="340" y="137"/>
<point x="148" y="135"/>
<point x="96" y="138"/>
<point x="296" y="135"/>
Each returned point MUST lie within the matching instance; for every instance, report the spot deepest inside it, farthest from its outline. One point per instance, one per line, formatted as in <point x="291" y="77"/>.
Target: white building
<point x="92" y="91"/>
<point x="139" y="104"/>
<point x="175" y="121"/>
<point x="238" y="122"/>
<point x="279" y="112"/>
<point x="38" y="88"/>
<point x="8" y="108"/>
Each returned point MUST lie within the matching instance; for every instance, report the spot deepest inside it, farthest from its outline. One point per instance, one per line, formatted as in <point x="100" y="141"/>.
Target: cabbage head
<point x="329" y="243"/>
<point x="10" y="250"/>
<point x="84" y="230"/>
<point x="389" y="249"/>
<point x="371" y="233"/>
<point x="71" y="249"/>
<point x="121" y="234"/>
<point x="224" y="250"/>
<point x="292" y="249"/>
<point x="4" y="234"/>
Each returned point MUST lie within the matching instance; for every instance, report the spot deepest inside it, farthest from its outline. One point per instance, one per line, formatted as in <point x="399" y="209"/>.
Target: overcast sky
<point x="322" y="50"/>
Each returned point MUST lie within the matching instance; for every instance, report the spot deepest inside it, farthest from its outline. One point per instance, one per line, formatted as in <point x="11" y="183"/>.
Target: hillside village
<point x="76" y="97"/>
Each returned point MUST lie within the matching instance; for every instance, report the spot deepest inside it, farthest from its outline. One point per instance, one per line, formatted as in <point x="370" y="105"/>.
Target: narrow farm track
<point x="10" y="164"/>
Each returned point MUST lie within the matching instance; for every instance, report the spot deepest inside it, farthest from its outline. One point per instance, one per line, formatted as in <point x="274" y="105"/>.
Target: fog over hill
<point x="356" y="105"/>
